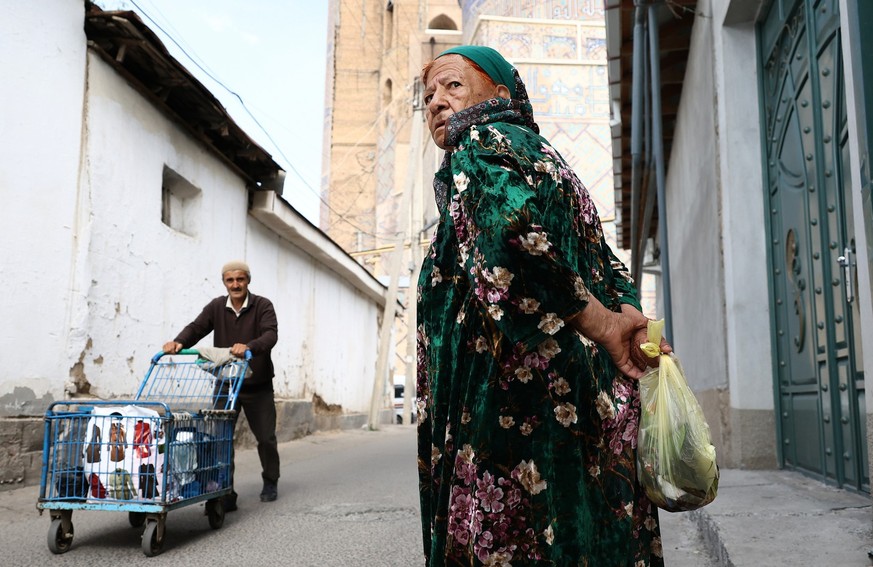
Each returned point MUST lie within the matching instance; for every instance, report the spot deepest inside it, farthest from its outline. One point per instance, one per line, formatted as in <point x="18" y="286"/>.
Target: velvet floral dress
<point x="527" y="432"/>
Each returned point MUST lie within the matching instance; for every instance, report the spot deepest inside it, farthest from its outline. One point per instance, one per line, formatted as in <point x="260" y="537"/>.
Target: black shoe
<point x="230" y="502"/>
<point x="270" y="492"/>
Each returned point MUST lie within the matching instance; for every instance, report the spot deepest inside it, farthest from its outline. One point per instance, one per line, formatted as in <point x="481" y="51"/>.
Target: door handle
<point x="847" y="264"/>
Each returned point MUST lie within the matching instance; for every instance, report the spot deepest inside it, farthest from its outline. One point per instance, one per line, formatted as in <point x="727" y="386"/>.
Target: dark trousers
<point x="260" y="410"/>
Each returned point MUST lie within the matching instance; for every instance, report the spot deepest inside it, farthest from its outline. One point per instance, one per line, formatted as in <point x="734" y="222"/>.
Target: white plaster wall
<point x="138" y="279"/>
<point x="695" y="224"/>
<point x="328" y="337"/>
<point x="864" y="291"/>
<point x="42" y="55"/>
<point x="96" y="277"/>
<point x="747" y="301"/>
<point x="142" y="281"/>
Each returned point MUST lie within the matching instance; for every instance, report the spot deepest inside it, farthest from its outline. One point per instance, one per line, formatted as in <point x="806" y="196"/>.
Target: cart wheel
<point x="215" y="513"/>
<point x="152" y="543"/>
<point x="136" y="519"/>
<point x="58" y="541"/>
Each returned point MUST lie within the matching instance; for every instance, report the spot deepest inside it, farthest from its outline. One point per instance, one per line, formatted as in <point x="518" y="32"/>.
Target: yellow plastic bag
<point x="675" y="457"/>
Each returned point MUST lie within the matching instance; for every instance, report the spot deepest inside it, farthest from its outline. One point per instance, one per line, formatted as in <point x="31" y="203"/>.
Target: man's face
<point x="237" y="284"/>
<point x="453" y="85"/>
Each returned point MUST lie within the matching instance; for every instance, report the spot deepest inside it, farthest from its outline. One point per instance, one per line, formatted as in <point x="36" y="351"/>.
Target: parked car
<point x="399" y="388"/>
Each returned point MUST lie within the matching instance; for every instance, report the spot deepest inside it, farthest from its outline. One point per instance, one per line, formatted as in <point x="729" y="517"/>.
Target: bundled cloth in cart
<point x="124" y="452"/>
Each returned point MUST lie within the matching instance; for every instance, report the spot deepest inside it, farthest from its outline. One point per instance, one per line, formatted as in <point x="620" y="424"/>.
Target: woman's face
<point x="453" y="85"/>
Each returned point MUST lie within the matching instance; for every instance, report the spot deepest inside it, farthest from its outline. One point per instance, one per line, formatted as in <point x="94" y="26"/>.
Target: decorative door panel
<point x="818" y="380"/>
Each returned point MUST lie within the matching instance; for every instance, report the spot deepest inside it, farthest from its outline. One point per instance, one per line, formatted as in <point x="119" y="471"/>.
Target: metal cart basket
<point x="169" y="447"/>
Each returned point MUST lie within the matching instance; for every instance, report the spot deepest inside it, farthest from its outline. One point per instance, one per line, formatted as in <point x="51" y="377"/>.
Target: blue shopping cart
<point x="170" y="446"/>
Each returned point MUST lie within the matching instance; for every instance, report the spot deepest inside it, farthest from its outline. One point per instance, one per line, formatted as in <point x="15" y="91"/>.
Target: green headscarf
<point x="494" y="65"/>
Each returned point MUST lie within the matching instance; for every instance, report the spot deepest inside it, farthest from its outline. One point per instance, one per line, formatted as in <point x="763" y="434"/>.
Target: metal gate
<point x="819" y="380"/>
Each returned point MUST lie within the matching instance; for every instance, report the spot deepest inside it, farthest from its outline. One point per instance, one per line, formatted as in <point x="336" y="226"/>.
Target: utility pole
<point x="415" y="259"/>
<point x="376" y="402"/>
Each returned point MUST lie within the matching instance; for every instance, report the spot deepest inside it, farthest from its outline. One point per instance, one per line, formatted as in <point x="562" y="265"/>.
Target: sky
<point x="271" y="53"/>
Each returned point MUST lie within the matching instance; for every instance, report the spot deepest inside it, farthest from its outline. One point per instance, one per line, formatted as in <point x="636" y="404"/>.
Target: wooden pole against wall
<point x="412" y="292"/>
<point x="385" y="334"/>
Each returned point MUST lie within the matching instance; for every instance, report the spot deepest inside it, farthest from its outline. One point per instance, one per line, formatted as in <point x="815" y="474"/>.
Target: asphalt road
<point x="345" y="499"/>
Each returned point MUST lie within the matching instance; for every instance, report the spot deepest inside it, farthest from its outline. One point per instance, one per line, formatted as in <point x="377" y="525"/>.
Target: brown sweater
<point x="255" y="327"/>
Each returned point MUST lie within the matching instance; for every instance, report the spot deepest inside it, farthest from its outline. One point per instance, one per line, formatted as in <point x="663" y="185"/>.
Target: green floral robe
<point x="527" y="432"/>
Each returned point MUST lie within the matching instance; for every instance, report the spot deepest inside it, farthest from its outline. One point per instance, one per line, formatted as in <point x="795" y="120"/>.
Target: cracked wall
<point x="113" y="281"/>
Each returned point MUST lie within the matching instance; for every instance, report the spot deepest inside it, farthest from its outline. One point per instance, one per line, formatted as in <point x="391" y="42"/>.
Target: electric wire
<point x="254" y="118"/>
<point x="399" y="23"/>
<point x="369" y="174"/>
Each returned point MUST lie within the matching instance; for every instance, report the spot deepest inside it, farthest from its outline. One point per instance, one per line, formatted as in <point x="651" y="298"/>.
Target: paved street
<point x="345" y="499"/>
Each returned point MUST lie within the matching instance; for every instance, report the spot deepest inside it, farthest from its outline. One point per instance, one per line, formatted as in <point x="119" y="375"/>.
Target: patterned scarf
<point x="514" y="111"/>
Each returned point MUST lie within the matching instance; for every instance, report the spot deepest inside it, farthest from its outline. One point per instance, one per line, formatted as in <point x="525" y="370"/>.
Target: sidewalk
<point x="773" y="518"/>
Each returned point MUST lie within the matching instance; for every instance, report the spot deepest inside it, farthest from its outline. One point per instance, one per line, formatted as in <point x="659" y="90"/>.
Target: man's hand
<point x="239" y="350"/>
<point x="171" y="347"/>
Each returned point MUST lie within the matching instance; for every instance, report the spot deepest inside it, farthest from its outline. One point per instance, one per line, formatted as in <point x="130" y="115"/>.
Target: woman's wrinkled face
<point x="452" y="85"/>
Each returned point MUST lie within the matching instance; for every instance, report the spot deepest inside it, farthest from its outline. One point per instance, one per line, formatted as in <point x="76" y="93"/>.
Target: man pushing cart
<point x="244" y="321"/>
<point x="173" y="444"/>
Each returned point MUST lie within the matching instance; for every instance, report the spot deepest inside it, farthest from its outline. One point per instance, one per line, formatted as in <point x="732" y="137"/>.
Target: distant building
<point x="375" y="55"/>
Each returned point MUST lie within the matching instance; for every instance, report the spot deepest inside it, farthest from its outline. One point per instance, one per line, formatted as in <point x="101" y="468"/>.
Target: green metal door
<point x="819" y="381"/>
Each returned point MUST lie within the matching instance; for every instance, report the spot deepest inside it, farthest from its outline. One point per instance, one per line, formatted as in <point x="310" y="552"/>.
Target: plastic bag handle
<point x="652" y="348"/>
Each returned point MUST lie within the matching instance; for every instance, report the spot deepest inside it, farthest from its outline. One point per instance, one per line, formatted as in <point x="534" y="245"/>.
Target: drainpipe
<point x="658" y="155"/>
<point x="636" y="142"/>
<point x="647" y="151"/>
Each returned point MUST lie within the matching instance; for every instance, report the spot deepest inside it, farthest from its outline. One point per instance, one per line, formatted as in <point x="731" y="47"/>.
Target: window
<point x="387" y="95"/>
<point x="180" y="203"/>
<point x="442" y="22"/>
<point x="389" y="26"/>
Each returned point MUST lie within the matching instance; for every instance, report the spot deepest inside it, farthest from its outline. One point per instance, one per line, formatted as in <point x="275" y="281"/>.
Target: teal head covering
<point x="494" y="65"/>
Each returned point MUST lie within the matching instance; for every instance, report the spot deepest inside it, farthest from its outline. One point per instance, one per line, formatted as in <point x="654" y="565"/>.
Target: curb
<point x="708" y="530"/>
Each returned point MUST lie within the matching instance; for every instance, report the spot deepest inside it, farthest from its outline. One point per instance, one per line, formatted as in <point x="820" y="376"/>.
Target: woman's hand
<point x="620" y="334"/>
<point x="641" y="336"/>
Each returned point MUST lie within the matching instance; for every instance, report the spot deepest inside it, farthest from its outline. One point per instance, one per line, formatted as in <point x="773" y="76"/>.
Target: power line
<point x="404" y="21"/>
<point x="369" y="173"/>
<point x="169" y="24"/>
<point x="251" y="115"/>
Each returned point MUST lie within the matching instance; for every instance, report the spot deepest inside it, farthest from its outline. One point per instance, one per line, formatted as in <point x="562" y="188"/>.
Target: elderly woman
<point x="527" y="345"/>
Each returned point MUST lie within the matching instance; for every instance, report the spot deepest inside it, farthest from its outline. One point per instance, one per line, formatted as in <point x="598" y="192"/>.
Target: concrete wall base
<point x="743" y="438"/>
<point x="21" y="438"/>
<point x="20" y="451"/>
<point x="753" y="439"/>
<point x="715" y="404"/>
